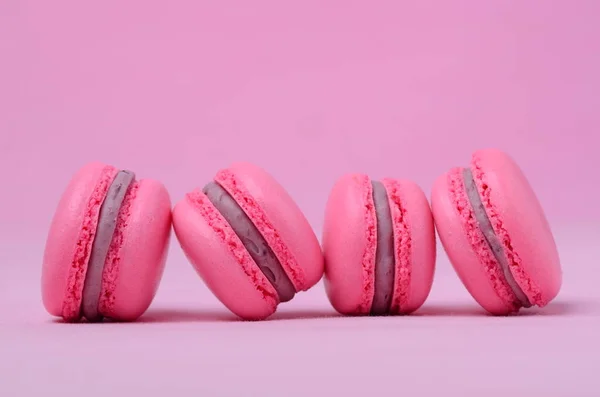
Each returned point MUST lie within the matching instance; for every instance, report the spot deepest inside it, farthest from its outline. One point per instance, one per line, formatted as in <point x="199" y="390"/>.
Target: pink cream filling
<point x="229" y="181"/>
<point x="235" y="245"/>
<point x="76" y="276"/>
<point x="531" y="290"/>
<point x="402" y="246"/>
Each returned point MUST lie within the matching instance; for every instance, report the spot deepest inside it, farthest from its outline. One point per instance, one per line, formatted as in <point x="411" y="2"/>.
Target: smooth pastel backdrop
<point x="309" y="90"/>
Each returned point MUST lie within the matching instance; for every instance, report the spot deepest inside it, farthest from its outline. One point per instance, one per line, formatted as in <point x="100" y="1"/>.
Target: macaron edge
<point x="71" y="307"/>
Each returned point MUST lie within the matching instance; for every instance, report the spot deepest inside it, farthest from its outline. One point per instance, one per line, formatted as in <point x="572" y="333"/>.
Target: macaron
<point x="379" y="246"/>
<point x="496" y="234"/>
<point x="106" y="247"/>
<point x="248" y="241"/>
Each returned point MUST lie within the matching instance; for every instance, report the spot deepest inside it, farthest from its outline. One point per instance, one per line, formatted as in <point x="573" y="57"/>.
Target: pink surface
<point x="187" y="343"/>
<point x="310" y="91"/>
<point x="350" y="244"/>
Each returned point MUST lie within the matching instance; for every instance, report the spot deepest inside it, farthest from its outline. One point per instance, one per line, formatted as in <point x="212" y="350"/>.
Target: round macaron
<point x="496" y="235"/>
<point x="248" y="240"/>
<point x="106" y="248"/>
<point x="379" y="246"/>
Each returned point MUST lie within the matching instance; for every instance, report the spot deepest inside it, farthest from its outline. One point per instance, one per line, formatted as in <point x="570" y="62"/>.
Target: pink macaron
<point x="379" y="246"/>
<point x="248" y="240"/>
<point x="106" y="248"/>
<point x="496" y="235"/>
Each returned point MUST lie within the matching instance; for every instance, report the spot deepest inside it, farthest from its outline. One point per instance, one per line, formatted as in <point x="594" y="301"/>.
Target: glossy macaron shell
<point x="519" y="221"/>
<point x="219" y="256"/>
<point x="138" y="256"/>
<point x="350" y="240"/>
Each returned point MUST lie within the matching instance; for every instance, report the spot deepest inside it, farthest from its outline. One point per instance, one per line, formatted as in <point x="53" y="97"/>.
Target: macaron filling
<point x="491" y="238"/>
<point x="107" y="223"/>
<point x="252" y="239"/>
<point x="384" y="256"/>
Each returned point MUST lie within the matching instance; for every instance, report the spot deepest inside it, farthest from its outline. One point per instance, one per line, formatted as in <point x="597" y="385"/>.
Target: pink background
<point x="309" y="90"/>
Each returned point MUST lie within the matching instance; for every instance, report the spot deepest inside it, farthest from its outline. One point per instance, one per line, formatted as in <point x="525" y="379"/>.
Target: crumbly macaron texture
<point x="402" y="246"/>
<point x="142" y="252"/>
<point x="369" y="254"/>
<point x="113" y="258"/>
<point x="235" y="187"/>
<point x="527" y="285"/>
<point x="77" y="271"/>
<point x="477" y="240"/>
<point x="222" y="229"/>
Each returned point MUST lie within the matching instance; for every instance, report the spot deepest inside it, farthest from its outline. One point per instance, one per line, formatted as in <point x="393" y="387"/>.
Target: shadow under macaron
<point x="168" y="315"/>
<point x="557" y="308"/>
